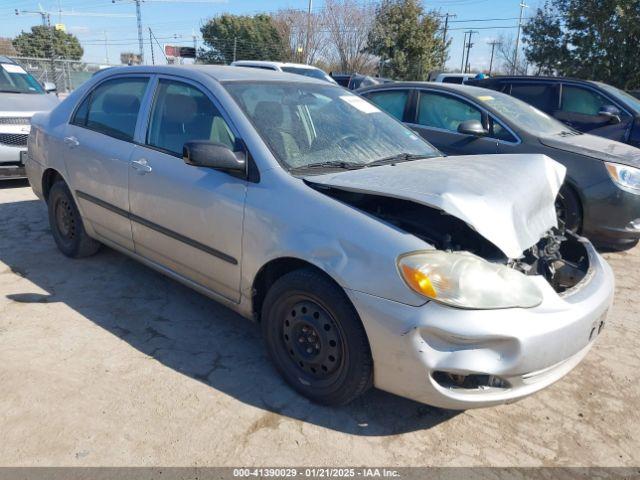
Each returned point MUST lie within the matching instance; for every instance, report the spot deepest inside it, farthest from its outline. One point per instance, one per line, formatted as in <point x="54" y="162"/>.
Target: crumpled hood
<point x="596" y="147"/>
<point x="26" y="102"/>
<point x="508" y="199"/>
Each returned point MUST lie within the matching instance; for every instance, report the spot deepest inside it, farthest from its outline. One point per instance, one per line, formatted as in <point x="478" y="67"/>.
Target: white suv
<point x="297" y="68"/>
<point x="20" y="97"/>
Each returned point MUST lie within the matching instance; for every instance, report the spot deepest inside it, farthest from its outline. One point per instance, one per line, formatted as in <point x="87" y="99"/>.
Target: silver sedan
<point x="367" y="257"/>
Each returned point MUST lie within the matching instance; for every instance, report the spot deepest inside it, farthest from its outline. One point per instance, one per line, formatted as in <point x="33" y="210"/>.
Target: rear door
<point x="98" y="145"/>
<point x="187" y="218"/>
<point x="543" y="95"/>
<point x="580" y="107"/>
<point x="437" y="117"/>
<point x="393" y="101"/>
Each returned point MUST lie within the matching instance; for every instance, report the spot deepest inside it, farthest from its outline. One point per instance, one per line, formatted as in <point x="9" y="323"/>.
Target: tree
<point x="591" y="39"/>
<point x="241" y="37"/>
<point x="407" y="39"/>
<point x="545" y="46"/>
<point x="506" y="54"/>
<point x="349" y="23"/>
<point x="292" y="24"/>
<point x="37" y="44"/>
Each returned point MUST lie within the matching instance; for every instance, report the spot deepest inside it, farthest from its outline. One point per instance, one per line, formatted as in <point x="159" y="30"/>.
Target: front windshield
<point x="621" y="95"/>
<point x="524" y="115"/>
<point x="309" y="72"/>
<point x="14" y="79"/>
<point x="307" y="124"/>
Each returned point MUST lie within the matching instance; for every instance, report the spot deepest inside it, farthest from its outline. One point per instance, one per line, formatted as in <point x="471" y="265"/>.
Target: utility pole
<point x="306" y="48"/>
<point x="139" y="18"/>
<point x="464" y="46"/>
<point x="153" y="59"/>
<point x="469" y="45"/>
<point x="444" y="36"/>
<point x="106" y="48"/>
<point x="523" y="5"/>
<point x="493" y="44"/>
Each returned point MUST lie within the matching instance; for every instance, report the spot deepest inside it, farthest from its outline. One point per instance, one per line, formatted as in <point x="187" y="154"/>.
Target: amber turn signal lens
<point x="419" y="281"/>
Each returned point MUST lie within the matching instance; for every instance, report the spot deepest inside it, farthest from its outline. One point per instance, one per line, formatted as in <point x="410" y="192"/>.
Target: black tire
<point x="569" y="210"/>
<point x="316" y="339"/>
<point x="66" y="224"/>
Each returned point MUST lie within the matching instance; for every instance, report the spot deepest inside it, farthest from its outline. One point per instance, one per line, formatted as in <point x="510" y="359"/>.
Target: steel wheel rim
<point x="65" y="221"/>
<point x="313" y="341"/>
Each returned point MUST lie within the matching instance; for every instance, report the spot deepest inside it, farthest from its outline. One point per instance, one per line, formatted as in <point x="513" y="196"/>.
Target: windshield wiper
<point x="330" y="164"/>
<point x="400" y="157"/>
<point x="566" y="133"/>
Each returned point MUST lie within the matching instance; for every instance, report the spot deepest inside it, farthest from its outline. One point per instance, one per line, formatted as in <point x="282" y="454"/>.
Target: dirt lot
<point x="105" y="362"/>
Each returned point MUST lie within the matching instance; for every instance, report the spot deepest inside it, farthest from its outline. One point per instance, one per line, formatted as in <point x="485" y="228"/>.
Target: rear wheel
<point x="315" y="338"/>
<point x="66" y="224"/>
<point x="568" y="209"/>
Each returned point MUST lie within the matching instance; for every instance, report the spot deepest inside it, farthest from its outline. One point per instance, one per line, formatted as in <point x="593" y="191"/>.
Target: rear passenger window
<point x="182" y="113"/>
<point x="112" y="108"/>
<point x="543" y="96"/>
<point x="582" y="101"/>
<point x="458" y="80"/>
<point x="391" y="101"/>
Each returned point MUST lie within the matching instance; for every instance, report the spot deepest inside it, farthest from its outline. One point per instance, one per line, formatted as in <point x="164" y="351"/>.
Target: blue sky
<point x="182" y="18"/>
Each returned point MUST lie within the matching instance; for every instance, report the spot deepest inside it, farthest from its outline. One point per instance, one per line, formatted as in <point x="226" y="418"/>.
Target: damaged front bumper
<point x="459" y="359"/>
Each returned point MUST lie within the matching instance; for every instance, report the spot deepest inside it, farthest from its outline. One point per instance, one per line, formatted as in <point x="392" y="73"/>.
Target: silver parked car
<point x="20" y="97"/>
<point x="367" y="258"/>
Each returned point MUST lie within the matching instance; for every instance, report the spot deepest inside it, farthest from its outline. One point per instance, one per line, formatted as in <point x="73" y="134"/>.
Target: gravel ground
<point x="105" y="362"/>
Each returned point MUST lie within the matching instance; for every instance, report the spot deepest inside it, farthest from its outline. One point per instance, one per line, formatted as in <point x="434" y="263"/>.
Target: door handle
<point x="141" y="165"/>
<point x="71" y="142"/>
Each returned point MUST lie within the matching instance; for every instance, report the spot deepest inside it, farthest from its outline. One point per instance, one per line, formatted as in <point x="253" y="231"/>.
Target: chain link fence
<point x="66" y="74"/>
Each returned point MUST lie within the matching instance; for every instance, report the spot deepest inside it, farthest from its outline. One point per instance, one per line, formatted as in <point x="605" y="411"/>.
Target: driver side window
<point x="182" y="113"/>
<point x="444" y="112"/>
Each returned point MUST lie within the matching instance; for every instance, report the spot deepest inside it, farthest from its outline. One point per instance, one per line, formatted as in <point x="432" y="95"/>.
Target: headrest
<point x="121" y="103"/>
<point x="268" y="114"/>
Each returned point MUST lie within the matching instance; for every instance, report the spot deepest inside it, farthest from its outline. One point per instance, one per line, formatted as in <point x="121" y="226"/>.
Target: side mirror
<point x="213" y="155"/>
<point x="50" y="87"/>
<point x="610" y="112"/>
<point x="472" y="127"/>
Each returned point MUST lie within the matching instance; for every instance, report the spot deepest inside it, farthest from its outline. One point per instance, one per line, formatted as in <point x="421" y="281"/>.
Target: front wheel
<point x="568" y="209"/>
<point x="315" y="338"/>
<point x="66" y="224"/>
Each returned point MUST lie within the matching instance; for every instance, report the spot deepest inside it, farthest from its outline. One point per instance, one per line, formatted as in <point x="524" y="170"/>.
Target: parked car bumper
<point x="612" y="215"/>
<point x="459" y="359"/>
<point x="11" y="163"/>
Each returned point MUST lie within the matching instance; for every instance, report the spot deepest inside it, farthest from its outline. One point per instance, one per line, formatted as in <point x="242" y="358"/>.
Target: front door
<point x="580" y="108"/>
<point x="98" y="145"/>
<point x="187" y="218"/>
<point x="438" y="116"/>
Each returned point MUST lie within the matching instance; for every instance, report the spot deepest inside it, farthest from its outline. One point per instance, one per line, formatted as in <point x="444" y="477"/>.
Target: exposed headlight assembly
<point x="464" y="280"/>
<point x="625" y="176"/>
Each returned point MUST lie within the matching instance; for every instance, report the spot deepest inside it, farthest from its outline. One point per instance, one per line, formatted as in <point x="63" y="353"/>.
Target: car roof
<point x="457" y="75"/>
<point x="220" y="73"/>
<point x="273" y="64"/>
<point x="450" y="87"/>
<point x="534" y="77"/>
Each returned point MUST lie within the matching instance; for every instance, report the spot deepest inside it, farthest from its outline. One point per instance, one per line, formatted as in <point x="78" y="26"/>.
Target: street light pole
<point x="514" y="69"/>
